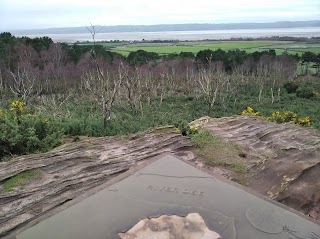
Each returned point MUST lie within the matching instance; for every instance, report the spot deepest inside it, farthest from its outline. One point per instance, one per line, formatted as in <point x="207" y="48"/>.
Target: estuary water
<point x="186" y="35"/>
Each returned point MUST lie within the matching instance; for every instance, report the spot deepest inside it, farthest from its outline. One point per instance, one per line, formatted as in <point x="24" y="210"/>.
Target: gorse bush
<point x="183" y="128"/>
<point x="280" y="117"/>
<point x="250" y="111"/>
<point x="288" y="116"/>
<point x="22" y="132"/>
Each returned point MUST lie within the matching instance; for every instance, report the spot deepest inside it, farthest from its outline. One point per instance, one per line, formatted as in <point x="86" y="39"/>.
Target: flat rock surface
<point x="283" y="160"/>
<point x="170" y="186"/>
<point x="72" y="169"/>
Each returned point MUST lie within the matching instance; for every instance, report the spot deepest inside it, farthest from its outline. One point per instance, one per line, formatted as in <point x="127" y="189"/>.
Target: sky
<point x="36" y="14"/>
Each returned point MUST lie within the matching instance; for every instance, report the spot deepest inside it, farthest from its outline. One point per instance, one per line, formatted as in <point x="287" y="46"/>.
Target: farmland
<point x="125" y="48"/>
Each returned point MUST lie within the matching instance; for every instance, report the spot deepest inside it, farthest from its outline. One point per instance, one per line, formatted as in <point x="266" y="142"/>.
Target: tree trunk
<point x="260" y="93"/>
<point x="272" y="96"/>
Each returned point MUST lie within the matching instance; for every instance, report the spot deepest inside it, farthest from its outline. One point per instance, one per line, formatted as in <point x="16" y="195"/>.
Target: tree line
<point x="38" y="67"/>
<point x="52" y="89"/>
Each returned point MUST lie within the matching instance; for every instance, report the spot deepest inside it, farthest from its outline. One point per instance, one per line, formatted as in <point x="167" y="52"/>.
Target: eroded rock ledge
<point x="71" y="169"/>
<point x="282" y="160"/>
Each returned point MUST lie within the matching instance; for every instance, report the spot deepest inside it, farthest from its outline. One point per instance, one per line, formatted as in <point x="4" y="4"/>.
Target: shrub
<point x="74" y="127"/>
<point x="291" y="86"/>
<point x="305" y="91"/>
<point x="184" y="128"/>
<point x="281" y="117"/>
<point x="304" y="121"/>
<point x="250" y="111"/>
<point x="22" y="133"/>
<point x="289" y="116"/>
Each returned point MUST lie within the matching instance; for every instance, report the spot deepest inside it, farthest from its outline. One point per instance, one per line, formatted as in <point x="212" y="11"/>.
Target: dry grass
<point x="217" y="152"/>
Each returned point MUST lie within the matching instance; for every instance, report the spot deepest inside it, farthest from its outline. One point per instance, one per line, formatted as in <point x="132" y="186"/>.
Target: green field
<point x="125" y="48"/>
<point x="296" y="47"/>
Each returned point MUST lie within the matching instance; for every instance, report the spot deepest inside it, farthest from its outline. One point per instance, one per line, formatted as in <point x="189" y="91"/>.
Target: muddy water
<point x="187" y="35"/>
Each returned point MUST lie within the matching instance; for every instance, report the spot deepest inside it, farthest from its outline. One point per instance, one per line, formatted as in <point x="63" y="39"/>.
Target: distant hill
<point x="171" y="27"/>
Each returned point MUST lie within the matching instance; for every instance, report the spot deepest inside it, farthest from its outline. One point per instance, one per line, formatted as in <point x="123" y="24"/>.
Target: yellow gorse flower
<point x="250" y="111"/>
<point x="289" y="116"/>
<point x="281" y="117"/>
<point x="17" y="106"/>
<point x="304" y="121"/>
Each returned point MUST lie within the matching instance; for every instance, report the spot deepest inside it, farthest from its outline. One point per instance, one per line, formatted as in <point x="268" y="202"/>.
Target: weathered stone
<point x="70" y="170"/>
<point x="166" y="227"/>
<point x="283" y="160"/>
<point x="171" y="187"/>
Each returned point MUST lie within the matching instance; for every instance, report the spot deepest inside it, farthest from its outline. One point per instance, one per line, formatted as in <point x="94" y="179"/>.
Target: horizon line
<point x="160" y="24"/>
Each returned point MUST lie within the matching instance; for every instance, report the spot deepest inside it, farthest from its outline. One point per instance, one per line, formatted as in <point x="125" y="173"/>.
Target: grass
<point x="177" y="48"/>
<point x="85" y="119"/>
<point x="196" y="46"/>
<point x="219" y="153"/>
<point x="125" y="48"/>
<point x="21" y="179"/>
<point x="294" y="47"/>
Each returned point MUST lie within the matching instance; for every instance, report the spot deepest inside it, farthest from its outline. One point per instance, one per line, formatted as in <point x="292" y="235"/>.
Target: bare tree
<point x="133" y="86"/>
<point x="263" y="73"/>
<point x="231" y="86"/>
<point x="23" y="82"/>
<point x="148" y="85"/>
<point x="102" y="85"/>
<point x="212" y="81"/>
<point x="25" y="75"/>
<point x="52" y="103"/>
<point x="283" y="69"/>
<point x="191" y="80"/>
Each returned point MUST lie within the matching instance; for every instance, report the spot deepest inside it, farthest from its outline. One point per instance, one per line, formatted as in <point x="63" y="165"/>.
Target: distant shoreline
<point x="306" y="32"/>
<point x="169" y="27"/>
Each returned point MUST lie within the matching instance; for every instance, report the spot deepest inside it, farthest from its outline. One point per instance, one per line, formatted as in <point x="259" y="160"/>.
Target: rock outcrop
<point x="71" y="169"/>
<point x="283" y="160"/>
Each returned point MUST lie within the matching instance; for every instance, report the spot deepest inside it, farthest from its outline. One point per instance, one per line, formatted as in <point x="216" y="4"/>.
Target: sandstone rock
<point x="166" y="227"/>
